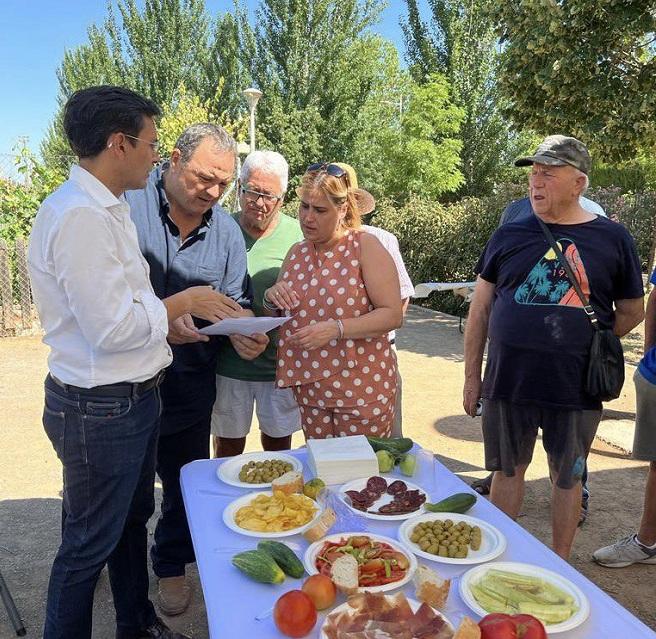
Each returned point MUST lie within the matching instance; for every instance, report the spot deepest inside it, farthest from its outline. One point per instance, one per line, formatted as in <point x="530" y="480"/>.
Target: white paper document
<point x="244" y="325"/>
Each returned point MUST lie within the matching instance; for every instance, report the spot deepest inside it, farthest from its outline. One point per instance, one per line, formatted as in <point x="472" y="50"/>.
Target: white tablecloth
<point x="233" y="600"/>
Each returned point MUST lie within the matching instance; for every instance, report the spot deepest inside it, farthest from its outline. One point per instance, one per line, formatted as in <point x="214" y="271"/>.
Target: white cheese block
<point x="340" y="459"/>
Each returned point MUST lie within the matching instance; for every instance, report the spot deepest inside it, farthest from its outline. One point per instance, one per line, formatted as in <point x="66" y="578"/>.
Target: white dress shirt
<point x="391" y="244"/>
<point x="102" y="320"/>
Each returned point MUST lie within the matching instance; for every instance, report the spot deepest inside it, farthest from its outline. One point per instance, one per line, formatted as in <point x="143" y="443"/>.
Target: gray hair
<point x="193" y="135"/>
<point x="269" y="162"/>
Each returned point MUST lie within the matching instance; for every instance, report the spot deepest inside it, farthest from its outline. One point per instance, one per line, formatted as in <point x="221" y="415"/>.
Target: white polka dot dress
<point x="348" y="386"/>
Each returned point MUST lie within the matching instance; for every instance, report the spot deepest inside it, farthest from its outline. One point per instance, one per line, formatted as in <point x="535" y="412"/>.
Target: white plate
<point x="309" y="559"/>
<point x="228" y="471"/>
<point x="360" y="484"/>
<point x="493" y="543"/>
<point x="414" y="606"/>
<point x="475" y="574"/>
<point x="232" y="508"/>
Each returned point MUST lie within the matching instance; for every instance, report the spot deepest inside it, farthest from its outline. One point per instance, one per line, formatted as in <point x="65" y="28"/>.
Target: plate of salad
<point x="383" y="563"/>
<point x="516" y="588"/>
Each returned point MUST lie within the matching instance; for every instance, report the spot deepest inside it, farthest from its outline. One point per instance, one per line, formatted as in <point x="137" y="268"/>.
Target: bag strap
<point x="587" y="307"/>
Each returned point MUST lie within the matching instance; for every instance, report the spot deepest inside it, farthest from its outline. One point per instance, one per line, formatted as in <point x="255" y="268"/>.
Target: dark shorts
<point x="510" y="431"/>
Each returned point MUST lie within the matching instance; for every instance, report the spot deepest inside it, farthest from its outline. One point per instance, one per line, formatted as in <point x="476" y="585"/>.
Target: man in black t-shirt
<point x="540" y="335"/>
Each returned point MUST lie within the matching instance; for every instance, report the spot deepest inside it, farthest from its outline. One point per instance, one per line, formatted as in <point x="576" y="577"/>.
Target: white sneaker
<point x="625" y="552"/>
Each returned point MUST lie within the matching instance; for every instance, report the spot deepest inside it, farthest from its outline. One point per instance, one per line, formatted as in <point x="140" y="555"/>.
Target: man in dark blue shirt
<point x="540" y="335"/>
<point x="188" y="240"/>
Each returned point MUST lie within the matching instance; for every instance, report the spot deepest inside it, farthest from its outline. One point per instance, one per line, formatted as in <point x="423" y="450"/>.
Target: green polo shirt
<point x="265" y="257"/>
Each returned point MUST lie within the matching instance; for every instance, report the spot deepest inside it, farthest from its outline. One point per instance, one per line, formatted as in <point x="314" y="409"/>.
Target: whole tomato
<point x="295" y="614"/>
<point x="321" y="589"/>
<point x="500" y="626"/>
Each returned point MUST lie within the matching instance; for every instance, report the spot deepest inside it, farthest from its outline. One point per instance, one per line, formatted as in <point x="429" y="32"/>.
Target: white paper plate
<point x="359" y="484"/>
<point x="414" y="605"/>
<point x="493" y="543"/>
<point x="228" y="471"/>
<point x="475" y="574"/>
<point x="309" y="559"/>
<point x="244" y="500"/>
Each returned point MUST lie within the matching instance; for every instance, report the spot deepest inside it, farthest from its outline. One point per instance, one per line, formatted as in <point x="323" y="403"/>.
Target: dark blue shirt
<point x="539" y="333"/>
<point x="213" y="254"/>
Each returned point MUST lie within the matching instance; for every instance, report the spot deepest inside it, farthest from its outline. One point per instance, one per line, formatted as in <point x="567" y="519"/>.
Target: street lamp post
<point x="252" y="95"/>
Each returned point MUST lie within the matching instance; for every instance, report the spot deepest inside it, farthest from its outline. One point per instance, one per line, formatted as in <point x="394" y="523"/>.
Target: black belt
<point x="122" y="389"/>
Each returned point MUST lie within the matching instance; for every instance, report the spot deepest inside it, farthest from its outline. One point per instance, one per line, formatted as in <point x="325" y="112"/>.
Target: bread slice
<point x="468" y="629"/>
<point x="290" y="482"/>
<point x="430" y="587"/>
<point x="344" y="573"/>
<point x="325" y="522"/>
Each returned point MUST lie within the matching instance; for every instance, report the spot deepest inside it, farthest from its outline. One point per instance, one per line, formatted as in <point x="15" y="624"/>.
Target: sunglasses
<point x="331" y="169"/>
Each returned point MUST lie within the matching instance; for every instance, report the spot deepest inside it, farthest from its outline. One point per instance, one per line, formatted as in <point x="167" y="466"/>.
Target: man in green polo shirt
<point x="242" y="384"/>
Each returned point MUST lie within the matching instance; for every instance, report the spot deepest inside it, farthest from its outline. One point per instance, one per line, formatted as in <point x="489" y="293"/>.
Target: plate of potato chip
<point x="266" y="514"/>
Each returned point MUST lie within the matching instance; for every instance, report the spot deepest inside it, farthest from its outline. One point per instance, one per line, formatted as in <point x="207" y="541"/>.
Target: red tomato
<point x="500" y="626"/>
<point x="321" y="590"/>
<point x="295" y="614"/>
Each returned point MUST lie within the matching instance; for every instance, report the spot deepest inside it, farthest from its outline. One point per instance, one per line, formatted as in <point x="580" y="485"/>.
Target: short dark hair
<point x="91" y="115"/>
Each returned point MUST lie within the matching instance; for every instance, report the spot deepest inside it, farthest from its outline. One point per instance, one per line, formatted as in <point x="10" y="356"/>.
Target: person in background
<point x="520" y="210"/>
<point x="640" y="547"/>
<point x="107" y="330"/>
<point x="342" y="288"/>
<point x="188" y="239"/>
<point x="540" y="334"/>
<point x="242" y="384"/>
<point x="366" y="205"/>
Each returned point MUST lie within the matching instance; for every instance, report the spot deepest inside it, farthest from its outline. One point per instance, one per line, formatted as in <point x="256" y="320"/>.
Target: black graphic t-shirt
<point x="539" y="334"/>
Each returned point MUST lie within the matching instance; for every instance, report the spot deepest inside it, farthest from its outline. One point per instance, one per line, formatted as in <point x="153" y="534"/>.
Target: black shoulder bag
<point x="605" y="375"/>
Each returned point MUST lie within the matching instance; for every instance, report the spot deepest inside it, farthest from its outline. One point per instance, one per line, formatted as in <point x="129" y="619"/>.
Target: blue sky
<point x="33" y="37"/>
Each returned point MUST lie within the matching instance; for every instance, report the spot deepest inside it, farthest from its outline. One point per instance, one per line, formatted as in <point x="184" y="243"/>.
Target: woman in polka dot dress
<point x="342" y="289"/>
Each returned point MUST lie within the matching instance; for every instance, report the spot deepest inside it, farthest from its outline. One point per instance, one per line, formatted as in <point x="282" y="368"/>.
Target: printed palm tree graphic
<point x="537" y="284"/>
<point x="547" y="283"/>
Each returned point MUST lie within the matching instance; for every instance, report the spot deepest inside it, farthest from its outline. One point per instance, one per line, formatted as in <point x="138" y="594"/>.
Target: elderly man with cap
<point x="539" y="334"/>
<point x="366" y="205"/>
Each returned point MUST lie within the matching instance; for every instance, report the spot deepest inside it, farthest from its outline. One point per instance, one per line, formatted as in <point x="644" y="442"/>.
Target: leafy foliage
<point x="584" y="67"/>
<point x="459" y="41"/>
<point x="20" y="201"/>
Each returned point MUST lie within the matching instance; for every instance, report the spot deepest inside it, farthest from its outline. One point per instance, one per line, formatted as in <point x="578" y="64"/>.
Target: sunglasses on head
<point x="331" y="169"/>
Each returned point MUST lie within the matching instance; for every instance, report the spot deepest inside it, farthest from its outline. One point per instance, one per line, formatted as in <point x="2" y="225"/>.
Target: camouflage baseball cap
<point x="559" y="150"/>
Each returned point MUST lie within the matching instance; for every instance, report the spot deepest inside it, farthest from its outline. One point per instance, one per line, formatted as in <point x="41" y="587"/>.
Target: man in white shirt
<point x="366" y="206"/>
<point x="107" y="331"/>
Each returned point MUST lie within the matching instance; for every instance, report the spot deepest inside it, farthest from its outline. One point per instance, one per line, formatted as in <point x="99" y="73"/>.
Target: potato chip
<point x="276" y="513"/>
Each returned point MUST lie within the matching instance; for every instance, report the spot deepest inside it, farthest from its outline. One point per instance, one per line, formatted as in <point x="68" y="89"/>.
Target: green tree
<point x="316" y="66"/>
<point x="420" y="153"/>
<point x="155" y="48"/>
<point x="459" y="41"/>
<point x="583" y="67"/>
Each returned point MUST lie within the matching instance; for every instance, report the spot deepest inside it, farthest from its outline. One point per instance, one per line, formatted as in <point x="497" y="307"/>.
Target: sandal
<point x="482" y="486"/>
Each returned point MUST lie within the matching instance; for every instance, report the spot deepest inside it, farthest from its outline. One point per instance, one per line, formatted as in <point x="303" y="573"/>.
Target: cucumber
<point x="397" y="446"/>
<point x="458" y="503"/>
<point x="259" y="566"/>
<point x="284" y="556"/>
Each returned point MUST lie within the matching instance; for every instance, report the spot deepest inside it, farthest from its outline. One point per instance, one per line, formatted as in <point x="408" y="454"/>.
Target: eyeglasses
<point x="331" y="169"/>
<point x="254" y="196"/>
<point x="155" y="145"/>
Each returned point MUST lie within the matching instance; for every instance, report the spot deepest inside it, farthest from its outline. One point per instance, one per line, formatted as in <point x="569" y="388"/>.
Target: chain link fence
<point x="24" y="183"/>
<point x="17" y="311"/>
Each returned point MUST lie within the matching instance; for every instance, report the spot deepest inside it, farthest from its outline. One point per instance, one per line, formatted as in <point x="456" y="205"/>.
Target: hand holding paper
<point x="244" y="325"/>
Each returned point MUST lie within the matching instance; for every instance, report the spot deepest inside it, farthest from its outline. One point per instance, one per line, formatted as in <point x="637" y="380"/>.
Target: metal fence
<point x="17" y="312"/>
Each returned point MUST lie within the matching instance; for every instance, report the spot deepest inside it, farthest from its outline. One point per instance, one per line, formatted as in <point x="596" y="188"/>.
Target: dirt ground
<point x="431" y="359"/>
